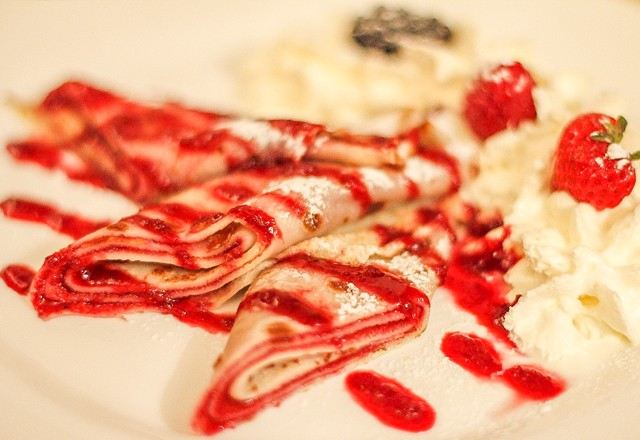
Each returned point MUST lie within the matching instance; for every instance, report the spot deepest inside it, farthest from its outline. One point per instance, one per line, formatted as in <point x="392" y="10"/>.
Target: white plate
<point x="80" y="378"/>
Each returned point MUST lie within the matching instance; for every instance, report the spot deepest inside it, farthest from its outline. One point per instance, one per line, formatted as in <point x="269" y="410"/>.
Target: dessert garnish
<point x="385" y="29"/>
<point x="329" y="302"/>
<point x="500" y="98"/>
<point x="72" y="225"/>
<point x="591" y="165"/>
<point x="237" y="205"/>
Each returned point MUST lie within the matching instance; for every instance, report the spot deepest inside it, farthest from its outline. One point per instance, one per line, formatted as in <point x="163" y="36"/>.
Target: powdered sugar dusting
<point x="616" y="152"/>
<point x="354" y="301"/>
<point x="411" y="267"/>
<point x="264" y="136"/>
<point x="315" y="191"/>
<point x="420" y="170"/>
<point x="375" y="178"/>
<point x="497" y="75"/>
<point x="620" y="164"/>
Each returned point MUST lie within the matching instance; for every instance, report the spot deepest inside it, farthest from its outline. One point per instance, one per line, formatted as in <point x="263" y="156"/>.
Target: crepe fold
<point x="328" y="302"/>
<point x="145" y="151"/>
<point x="213" y="239"/>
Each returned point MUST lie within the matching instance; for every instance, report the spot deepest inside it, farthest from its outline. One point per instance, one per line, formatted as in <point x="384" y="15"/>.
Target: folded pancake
<point x="144" y="151"/>
<point x="328" y="302"/>
<point x="215" y="237"/>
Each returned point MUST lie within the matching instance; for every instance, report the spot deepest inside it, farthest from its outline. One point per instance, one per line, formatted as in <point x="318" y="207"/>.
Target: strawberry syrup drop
<point x="69" y="224"/>
<point x="532" y="382"/>
<point x="18" y="277"/>
<point x="282" y="303"/>
<point x="479" y="357"/>
<point x="474" y="354"/>
<point x="53" y="157"/>
<point x="390" y="402"/>
<point x="475" y="276"/>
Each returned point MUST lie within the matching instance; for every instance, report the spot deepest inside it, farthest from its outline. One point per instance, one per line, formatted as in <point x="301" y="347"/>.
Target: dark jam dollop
<point x="390" y="402"/>
<point x="386" y="26"/>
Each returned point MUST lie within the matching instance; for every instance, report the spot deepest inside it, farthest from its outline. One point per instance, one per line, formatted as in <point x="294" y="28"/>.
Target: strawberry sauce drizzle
<point x="219" y="410"/>
<point x="53" y="157"/>
<point x="195" y="311"/>
<point x="259" y="221"/>
<point x="289" y="202"/>
<point x="475" y="276"/>
<point x="479" y="357"/>
<point x="389" y="287"/>
<point x="69" y="224"/>
<point x="390" y="402"/>
<point x="473" y="353"/>
<point x="350" y="181"/>
<point x="230" y="192"/>
<point x="447" y="162"/>
<point x="75" y="95"/>
<point x="283" y="303"/>
<point x="18" y="277"/>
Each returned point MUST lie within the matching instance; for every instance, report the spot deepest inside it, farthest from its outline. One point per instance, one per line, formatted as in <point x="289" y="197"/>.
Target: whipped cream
<point x="336" y="82"/>
<point x="577" y="282"/>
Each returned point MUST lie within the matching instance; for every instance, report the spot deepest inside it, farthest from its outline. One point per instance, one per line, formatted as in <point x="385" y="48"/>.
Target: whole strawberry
<point x="591" y="165"/>
<point x="500" y="98"/>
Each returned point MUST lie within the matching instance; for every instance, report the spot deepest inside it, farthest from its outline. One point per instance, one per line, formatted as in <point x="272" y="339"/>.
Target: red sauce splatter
<point x="100" y="274"/>
<point x="144" y="124"/>
<point x="167" y="233"/>
<point x="447" y="162"/>
<point x="476" y="280"/>
<point x="156" y="226"/>
<point x="306" y="131"/>
<point x="479" y="357"/>
<point x="421" y="246"/>
<point x="259" y="221"/>
<point x="69" y="224"/>
<point x="52" y="157"/>
<point x="282" y="302"/>
<point x="533" y="382"/>
<point x="366" y="141"/>
<point x="394" y="290"/>
<point x="207" y="141"/>
<point x="350" y="180"/>
<point x="291" y="203"/>
<point x="231" y="192"/>
<point x="474" y="354"/>
<point x="18" y="277"/>
<point x="179" y="212"/>
<point x="219" y="410"/>
<point x="75" y="95"/>
<point x="196" y="311"/>
<point x="390" y="402"/>
<point x="145" y="172"/>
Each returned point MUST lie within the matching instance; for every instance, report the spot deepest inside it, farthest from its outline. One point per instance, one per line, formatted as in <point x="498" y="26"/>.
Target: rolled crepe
<point x="213" y="239"/>
<point x="144" y="151"/>
<point x="329" y="302"/>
